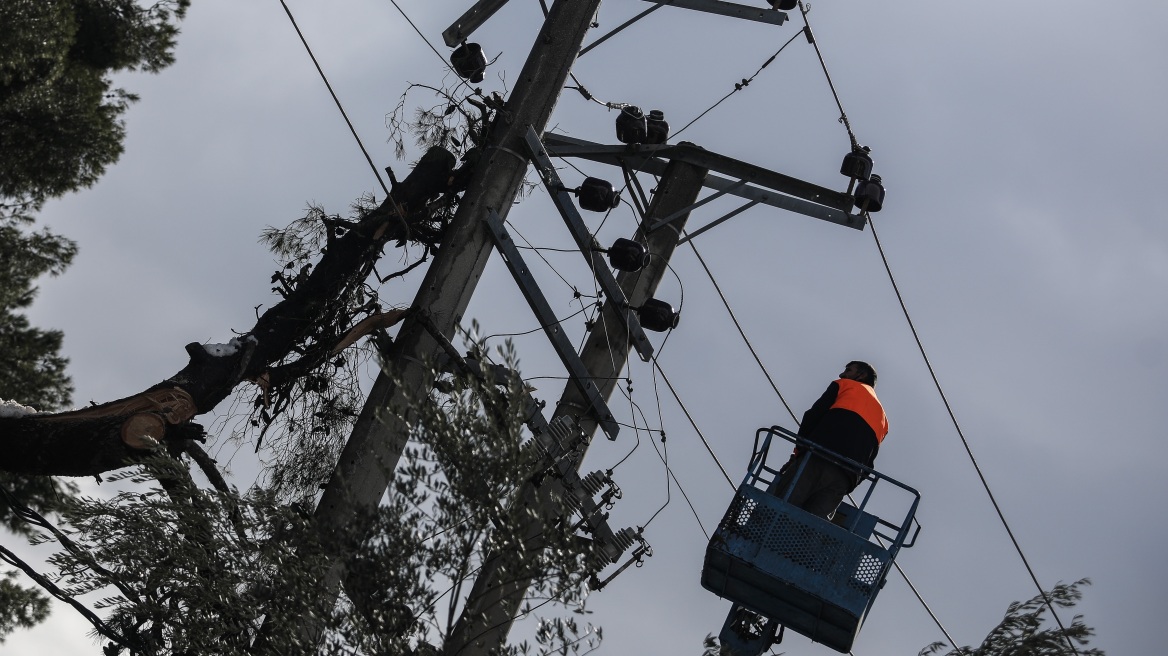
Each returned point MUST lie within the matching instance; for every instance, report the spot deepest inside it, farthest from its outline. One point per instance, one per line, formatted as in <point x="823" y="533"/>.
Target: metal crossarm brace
<point x="771" y="16"/>
<point x="587" y="244"/>
<point x="470" y="21"/>
<point x="725" y="217"/>
<point x="551" y="325"/>
<point x="633" y="184"/>
<point x="759" y="14"/>
<point x="766" y="186"/>
<point x="663" y="222"/>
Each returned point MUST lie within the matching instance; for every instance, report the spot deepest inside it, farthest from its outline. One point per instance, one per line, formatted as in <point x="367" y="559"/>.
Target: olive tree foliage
<point x="60" y="115"/>
<point x="1027" y="630"/>
<point x="183" y="569"/>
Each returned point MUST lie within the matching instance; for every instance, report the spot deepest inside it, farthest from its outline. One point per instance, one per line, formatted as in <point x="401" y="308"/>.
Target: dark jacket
<point x="842" y="430"/>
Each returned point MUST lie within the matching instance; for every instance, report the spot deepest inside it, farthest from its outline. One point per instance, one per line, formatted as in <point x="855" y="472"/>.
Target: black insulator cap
<point x="469" y="61"/>
<point x="657" y="129"/>
<point x="658" y="316"/>
<point x="598" y="195"/>
<point x="628" y="255"/>
<point x="870" y="194"/>
<point x="630" y="125"/>
<point x="857" y="164"/>
<point x="784" y="5"/>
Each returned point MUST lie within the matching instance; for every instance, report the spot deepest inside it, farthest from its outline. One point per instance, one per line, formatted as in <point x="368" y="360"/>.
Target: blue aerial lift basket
<point x="814" y="576"/>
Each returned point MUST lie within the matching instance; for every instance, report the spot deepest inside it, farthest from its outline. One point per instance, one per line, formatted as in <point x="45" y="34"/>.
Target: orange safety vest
<point x="861" y="399"/>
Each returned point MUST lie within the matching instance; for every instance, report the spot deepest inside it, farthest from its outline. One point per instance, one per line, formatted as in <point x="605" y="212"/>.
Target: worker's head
<point x="860" y="371"/>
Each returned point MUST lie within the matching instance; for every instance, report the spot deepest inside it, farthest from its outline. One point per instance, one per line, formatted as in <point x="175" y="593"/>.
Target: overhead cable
<point x="742" y="333"/>
<point x="968" y="450"/>
<point x="622" y="26"/>
<point x="334" y="95"/>
<point x="739" y="86"/>
<point x="539" y="252"/>
<point x="688" y="502"/>
<point x="411" y="22"/>
<point x="927" y="608"/>
<point x="811" y="38"/>
<point x="557" y="322"/>
<point x="693" y="423"/>
<point x="665" y="461"/>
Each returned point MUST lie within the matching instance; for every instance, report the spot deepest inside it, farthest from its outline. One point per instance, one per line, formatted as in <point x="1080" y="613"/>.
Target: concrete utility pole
<point x="502" y="584"/>
<point x="367" y="463"/>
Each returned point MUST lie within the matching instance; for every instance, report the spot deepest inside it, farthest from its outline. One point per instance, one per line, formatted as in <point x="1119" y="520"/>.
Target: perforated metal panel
<point x="803" y="571"/>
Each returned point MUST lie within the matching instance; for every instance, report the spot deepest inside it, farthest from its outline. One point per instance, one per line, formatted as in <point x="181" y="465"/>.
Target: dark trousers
<point x="820" y="487"/>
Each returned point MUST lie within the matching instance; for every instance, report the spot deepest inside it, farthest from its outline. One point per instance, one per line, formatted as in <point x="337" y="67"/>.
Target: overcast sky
<point x="1022" y="147"/>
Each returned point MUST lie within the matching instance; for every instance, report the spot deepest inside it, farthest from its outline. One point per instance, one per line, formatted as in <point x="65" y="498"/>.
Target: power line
<point x="622" y="26"/>
<point x="811" y="38"/>
<point x="693" y="423"/>
<point x="968" y="450"/>
<point x="912" y="587"/>
<point x="739" y="86"/>
<point x="847" y="125"/>
<point x="927" y="608"/>
<point x="557" y="322"/>
<point x="843" y="119"/>
<point x="411" y="22"/>
<point x="664" y="458"/>
<point x="334" y="95"/>
<point x="635" y="408"/>
<point x="539" y="252"/>
<point x="688" y="502"/>
<point x="461" y="82"/>
<point x="742" y="333"/>
<point x="670" y="475"/>
<point x="664" y="444"/>
<point x="588" y="94"/>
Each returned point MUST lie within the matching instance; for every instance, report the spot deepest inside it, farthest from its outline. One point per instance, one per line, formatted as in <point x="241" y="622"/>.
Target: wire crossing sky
<point x="1015" y="222"/>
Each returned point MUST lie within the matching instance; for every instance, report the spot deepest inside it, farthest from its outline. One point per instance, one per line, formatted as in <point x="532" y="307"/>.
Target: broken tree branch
<point x="113" y="435"/>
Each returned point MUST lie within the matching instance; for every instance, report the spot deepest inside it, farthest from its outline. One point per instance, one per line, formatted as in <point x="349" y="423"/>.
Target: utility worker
<point x="848" y="420"/>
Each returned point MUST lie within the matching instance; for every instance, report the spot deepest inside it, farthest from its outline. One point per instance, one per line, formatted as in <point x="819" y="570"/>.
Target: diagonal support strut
<point x="587" y="245"/>
<point x="550" y="324"/>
